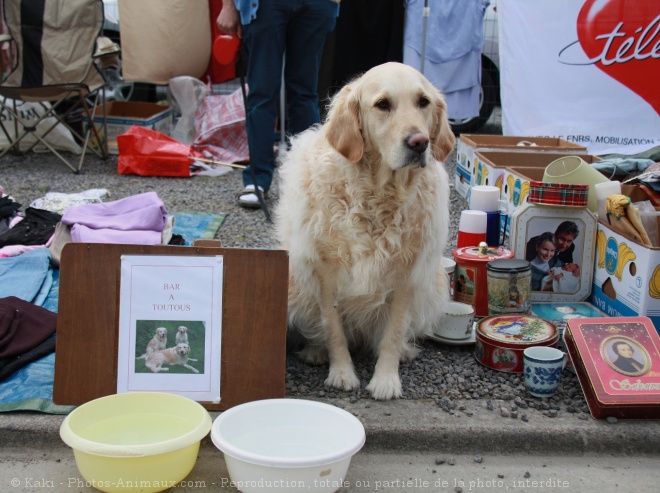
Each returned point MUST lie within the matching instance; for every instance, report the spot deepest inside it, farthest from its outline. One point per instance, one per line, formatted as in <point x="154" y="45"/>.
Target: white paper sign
<point x="170" y="325"/>
<point x="586" y="71"/>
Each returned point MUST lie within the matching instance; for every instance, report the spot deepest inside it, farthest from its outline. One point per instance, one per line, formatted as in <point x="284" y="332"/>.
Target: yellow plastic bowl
<point x="138" y="441"/>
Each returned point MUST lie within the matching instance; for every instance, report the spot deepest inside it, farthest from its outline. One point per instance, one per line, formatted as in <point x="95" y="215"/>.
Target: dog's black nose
<point x="417" y="142"/>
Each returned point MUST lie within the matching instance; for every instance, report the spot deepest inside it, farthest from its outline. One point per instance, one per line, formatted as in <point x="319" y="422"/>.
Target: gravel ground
<point x="449" y="375"/>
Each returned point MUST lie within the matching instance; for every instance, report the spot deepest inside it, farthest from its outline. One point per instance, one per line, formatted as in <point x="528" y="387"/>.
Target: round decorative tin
<point x="470" y="277"/>
<point x="509" y="286"/>
<point x="501" y="340"/>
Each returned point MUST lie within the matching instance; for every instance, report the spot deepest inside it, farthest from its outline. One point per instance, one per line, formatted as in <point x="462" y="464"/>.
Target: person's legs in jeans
<point x="308" y="29"/>
<point x="264" y="39"/>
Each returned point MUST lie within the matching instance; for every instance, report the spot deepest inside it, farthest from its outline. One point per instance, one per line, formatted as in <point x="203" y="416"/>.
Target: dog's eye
<point x="383" y="104"/>
<point x="423" y="102"/>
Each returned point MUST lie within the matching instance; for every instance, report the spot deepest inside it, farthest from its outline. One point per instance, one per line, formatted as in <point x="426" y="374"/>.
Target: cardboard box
<point x="512" y="173"/>
<point x="626" y="276"/>
<point x="616" y="361"/>
<point x="122" y="114"/>
<point x="469" y="144"/>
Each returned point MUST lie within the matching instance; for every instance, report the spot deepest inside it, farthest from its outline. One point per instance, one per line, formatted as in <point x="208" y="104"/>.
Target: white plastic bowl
<point x="136" y="442"/>
<point x="281" y="445"/>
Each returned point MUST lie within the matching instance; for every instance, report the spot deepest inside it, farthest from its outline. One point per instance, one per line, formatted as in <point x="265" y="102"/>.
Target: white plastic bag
<point x="187" y="93"/>
<point x="28" y="113"/>
<point x="649" y="217"/>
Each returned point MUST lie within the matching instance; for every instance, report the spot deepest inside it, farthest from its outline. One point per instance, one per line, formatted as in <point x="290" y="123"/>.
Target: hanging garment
<point x="452" y="46"/>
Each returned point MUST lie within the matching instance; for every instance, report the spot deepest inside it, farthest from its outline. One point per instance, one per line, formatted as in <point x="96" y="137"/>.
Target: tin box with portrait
<point x="556" y="233"/>
<point x="617" y="361"/>
<point x="560" y="313"/>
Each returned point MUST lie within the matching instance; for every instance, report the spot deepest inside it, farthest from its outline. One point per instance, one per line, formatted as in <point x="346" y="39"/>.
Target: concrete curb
<point x="416" y="426"/>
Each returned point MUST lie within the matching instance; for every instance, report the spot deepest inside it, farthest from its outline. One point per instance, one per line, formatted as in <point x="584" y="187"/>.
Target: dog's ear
<point x="343" y="124"/>
<point x="442" y="137"/>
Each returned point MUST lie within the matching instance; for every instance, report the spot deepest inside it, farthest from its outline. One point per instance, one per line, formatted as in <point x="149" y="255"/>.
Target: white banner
<point x="586" y="71"/>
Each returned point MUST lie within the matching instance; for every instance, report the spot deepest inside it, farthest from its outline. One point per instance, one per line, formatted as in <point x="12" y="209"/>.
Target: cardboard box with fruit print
<point x="626" y="276"/>
<point x="501" y="170"/>
<point x="467" y="163"/>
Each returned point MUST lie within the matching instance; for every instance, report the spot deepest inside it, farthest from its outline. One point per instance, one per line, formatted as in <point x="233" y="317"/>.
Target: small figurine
<point x="483" y="249"/>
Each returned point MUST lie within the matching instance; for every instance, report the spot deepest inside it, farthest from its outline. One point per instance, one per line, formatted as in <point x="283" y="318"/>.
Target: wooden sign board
<point x="254" y="305"/>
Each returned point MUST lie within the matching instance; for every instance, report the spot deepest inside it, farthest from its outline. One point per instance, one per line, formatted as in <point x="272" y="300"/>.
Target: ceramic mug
<point x="457" y="322"/>
<point x="542" y="369"/>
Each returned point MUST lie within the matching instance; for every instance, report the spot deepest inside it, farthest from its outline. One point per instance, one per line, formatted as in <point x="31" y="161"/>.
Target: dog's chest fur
<point x="374" y="234"/>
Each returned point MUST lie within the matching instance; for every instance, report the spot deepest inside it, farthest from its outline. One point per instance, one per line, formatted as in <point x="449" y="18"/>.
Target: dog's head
<point x="182" y="350"/>
<point x="393" y="112"/>
<point x="182" y="329"/>
<point x="161" y="333"/>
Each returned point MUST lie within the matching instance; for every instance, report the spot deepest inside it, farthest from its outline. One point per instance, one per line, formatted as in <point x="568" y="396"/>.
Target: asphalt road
<point x="55" y="470"/>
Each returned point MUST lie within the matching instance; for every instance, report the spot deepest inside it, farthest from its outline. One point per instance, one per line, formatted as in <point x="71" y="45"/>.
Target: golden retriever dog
<point x="157" y="343"/>
<point x="177" y="355"/>
<point x="363" y="212"/>
<point x="181" y="335"/>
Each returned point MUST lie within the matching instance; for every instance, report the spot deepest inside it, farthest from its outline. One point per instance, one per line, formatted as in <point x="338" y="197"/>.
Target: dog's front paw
<point x="342" y="378"/>
<point x="385" y="386"/>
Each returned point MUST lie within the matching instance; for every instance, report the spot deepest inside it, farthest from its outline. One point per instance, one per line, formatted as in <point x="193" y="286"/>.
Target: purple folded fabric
<point x="82" y="234"/>
<point x="142" y="212"/>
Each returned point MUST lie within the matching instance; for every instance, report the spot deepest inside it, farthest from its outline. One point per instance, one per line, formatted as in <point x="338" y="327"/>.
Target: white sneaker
<point x="247" y="197"/>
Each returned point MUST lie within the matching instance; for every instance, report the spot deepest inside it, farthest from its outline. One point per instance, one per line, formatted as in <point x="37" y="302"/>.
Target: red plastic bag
<point x="146" y="152"/>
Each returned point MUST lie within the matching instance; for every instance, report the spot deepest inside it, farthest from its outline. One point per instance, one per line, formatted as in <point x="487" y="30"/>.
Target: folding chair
<point x="57" y="45"/>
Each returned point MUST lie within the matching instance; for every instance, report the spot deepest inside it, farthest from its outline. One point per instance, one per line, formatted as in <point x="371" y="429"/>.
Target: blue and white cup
<point x="542" y="369"/>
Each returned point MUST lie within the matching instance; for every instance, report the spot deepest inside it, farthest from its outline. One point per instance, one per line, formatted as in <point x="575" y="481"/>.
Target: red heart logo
<point x="622" y="38"/>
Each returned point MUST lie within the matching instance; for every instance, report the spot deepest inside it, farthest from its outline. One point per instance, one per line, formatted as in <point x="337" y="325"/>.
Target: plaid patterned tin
<point x="558" y="194"/>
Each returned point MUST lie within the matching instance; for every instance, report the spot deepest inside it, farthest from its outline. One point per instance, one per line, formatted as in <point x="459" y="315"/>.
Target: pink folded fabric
<point x="142" y="212"/>
<point x="82" y="234"/>
<point x="15" y="250"/>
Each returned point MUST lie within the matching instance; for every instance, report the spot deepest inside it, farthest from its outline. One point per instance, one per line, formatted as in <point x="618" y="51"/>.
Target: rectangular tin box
<point x="617" y="361"/>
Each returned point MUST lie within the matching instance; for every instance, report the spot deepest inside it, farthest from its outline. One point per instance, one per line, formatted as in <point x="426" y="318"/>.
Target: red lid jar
<point x="470" y="276"/>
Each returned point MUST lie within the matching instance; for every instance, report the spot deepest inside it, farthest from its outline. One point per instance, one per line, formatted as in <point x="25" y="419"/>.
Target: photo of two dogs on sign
<point x="169" y="346"/>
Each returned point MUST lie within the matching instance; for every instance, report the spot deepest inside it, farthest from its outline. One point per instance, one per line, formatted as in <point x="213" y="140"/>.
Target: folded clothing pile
<point x="26" y="332"/>
<point x="35" y="228"/>
<point x="27" y="276"/>
<point x="138" y="219"/>
<point x="60" y="202"/>
<point x="8" y="210"/>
